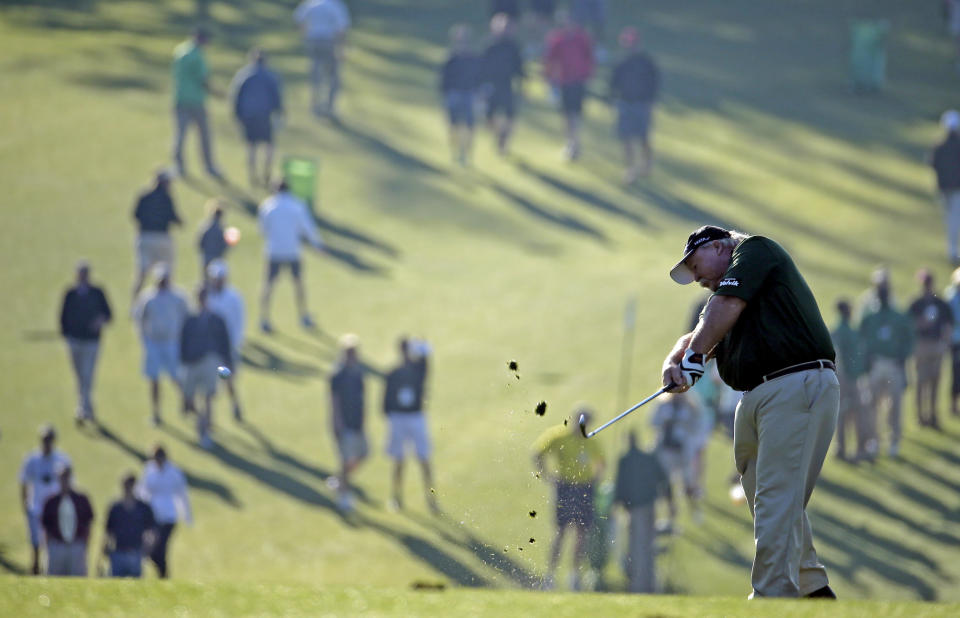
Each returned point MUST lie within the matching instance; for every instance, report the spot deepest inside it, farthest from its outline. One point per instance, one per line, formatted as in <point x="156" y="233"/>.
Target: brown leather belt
<point x="817" y="364"/>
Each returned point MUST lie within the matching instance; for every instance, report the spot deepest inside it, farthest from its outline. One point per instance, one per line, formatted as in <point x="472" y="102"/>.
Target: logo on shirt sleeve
<point x="729" y="282"/>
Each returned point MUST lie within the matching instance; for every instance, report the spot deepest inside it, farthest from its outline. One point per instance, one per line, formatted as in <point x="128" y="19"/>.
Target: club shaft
<point x="626" y="412"/>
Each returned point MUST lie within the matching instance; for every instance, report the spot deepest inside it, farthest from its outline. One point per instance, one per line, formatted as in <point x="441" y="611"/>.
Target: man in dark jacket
<point x="946" y="163"/>
<point x="130" y="531"/>
<point x="501" y="70"/>
<point x="403" y="400"/>
<point x="66" y="523"/>
<point x="204" y="347"/>
<point x="640" y="481"/>
<point x="256" y="98"/>
<point x="84" y="312"/>
<point x="459" y="77"/>
<point x="634" y="87"/>
<point x="154" y="214"/>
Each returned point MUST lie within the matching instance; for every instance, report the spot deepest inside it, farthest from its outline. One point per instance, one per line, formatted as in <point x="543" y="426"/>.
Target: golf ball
<point x="224" y="372"/>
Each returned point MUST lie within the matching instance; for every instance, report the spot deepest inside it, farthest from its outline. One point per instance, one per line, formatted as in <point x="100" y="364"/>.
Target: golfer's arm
<point x="719" y="316"/>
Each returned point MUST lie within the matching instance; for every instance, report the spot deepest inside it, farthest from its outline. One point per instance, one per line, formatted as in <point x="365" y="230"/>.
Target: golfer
<point x="764" y="328"/>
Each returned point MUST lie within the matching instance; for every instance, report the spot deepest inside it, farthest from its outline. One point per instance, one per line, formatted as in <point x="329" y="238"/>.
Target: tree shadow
<point x="193" y="480"/>
<point x="260" y="357"/>
<point x="107" y="81"/>
<point x="491" y="556"/>
<point x="584" y="196"/>
<point x="397" y="158"/>
<point x="677" y="207"/>
<point x="9" y="566"/>
<point x="327" y="224"/>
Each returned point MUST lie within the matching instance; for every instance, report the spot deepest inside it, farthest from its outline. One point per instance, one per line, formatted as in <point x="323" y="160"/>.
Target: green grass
<point x="104" y="598"/>
<point x="521" y="258"/>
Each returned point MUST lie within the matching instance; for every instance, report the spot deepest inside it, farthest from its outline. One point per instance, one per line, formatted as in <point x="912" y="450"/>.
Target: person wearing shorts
<point x="568" y="65"/>
<point x="634" y="86"/>
<point x="154" y="213"/>
<point x="285" y="223"/>
<point x="256" y="98"/>
<point x="225" y="301"/>
<point x="501" y="69"/>
<point x="403" y="401"/>
<point x="159" y="314"/>
<point x="347" y="403"/>
<point x="204" y="347"/>
<point x="38" y="481"/>
<point x="574" y="464"/>
<point x="459" y="79"/>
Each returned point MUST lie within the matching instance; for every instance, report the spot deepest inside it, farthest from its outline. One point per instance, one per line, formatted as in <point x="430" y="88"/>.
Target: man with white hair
<point x="946" y="163"/>
<point x="764" y="327"/>
<point x="159" y="314"/>
<point x="224" y="300"/>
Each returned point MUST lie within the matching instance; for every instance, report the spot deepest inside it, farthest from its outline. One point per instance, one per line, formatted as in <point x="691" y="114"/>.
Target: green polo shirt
<point x="189" y="75"/>
<point x="781" y="324"/>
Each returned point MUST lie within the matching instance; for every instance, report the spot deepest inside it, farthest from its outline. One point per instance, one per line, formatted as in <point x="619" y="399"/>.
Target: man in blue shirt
<point x="256" y="98"/>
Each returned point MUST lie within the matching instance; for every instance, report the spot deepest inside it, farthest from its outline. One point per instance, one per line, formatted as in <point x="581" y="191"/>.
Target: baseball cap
<point x="950" y="120"/>
<point x="681" y="273"/>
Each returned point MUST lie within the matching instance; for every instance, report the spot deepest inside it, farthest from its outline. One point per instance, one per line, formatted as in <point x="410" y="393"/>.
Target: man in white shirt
<point x="38" y="481"/>
<point x="285" y="222"/>
<point x="164" y="487"/>
<point x="160" y="313"/>
<point x="225" y="301"/>
<point x="324" y="24"/>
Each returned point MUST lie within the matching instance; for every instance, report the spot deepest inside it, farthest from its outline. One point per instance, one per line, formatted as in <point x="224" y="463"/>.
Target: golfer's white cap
<point x="950" y="120"/>
<point x="217" y="269"/>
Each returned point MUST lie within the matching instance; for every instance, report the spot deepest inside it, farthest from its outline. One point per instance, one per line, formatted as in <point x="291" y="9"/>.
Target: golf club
<point x="582" y="421"/>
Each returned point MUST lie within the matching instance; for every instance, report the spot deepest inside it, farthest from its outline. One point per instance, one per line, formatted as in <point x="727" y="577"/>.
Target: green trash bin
<point x="301" y="176"/>
<point x="868" y="54"/>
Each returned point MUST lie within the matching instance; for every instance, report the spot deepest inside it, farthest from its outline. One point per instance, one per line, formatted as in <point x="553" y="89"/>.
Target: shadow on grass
<point x="7" y="565"/>
<point x="260" y="357"/>
<point x="196" y="482"/>
<point x="544" y="214"/>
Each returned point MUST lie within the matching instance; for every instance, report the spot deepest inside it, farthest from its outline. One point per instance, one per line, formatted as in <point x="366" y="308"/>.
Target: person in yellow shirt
<point x="573" y="464"/>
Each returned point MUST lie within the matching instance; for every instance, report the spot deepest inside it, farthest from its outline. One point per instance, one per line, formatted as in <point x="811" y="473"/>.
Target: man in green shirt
<point x="846" y="341"/>
<point x="573" y="463"/>
<point x="190" y="88"/>
<point x="764" y="328"/>
<point x="887" y="337"/>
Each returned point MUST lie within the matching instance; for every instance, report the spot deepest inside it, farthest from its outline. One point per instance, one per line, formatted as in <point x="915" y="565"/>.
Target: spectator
<point x="568" y="65"/>
<point x="324" y="24"/>
<point x="346" y="412"/>
<point x="640" y="481"/>
<point x="946" y="163"/>
<point x="592" y="16"/>
<point x="501" y="70"/>
<point x="951" y="14"/>
<point x="953" y="299"/>
<point x="403" y="403"/>
<point x="679" y="436"/>
<point x="154" y="213"/>
<point x="458" y="85"/>
<point x="190" y="88"/>
<point x="130" y="530"/>
<point x="84" y="313"/>
<point x="225" y="301"/>
<point x="66" y="520"/>
<point x="574" y="465"/>
<point x="164" y="487"/>
<point x="284" y="223"/>
<point x="160" y="313"/>
<point x="634" y="86"/>
<point x="204" y="346"/>
<point x="846" y="342"/>
<point x="932" y="326"/>
<point x="887" y="338"/>
<point x="256" y="98"/>
<point x="38" y="481"/>
<point x="212" y="244"/>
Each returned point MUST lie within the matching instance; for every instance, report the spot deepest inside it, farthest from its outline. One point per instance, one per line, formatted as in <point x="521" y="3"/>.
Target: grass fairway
<point x="523" y="258"/>
<point x="40" y="598"/>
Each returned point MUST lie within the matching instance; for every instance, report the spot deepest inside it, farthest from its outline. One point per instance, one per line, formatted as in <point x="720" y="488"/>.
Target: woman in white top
<point x="164" y="487"/>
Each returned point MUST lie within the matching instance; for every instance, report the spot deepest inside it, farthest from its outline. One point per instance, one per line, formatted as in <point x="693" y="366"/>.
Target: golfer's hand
<point x="672" y="374"/>
<point x="692" y="367"/>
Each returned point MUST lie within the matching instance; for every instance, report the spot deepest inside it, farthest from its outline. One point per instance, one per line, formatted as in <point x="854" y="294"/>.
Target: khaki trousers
<point x="782" y="432"/>
<point x="639" y="565"/>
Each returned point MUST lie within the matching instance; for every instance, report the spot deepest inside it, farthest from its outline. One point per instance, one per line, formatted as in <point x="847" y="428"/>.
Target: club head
<point x="582" y="422"/>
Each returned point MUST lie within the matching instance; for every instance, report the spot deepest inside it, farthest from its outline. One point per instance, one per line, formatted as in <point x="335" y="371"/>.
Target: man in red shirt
<point x="568" y="64"/>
